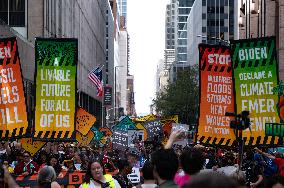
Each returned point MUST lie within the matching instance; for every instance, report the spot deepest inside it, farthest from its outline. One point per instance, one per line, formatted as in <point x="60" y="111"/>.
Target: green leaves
<point x="181" y="97"/>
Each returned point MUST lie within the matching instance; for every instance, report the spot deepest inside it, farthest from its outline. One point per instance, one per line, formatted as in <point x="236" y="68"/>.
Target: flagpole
<point x="102" y="99"/>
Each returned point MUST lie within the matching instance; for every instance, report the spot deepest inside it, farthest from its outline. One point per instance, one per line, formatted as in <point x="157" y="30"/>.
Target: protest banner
<point x="167" y="128"/>
<point x="119" y="140"/>
<point x="64" y="179"/>
<point x="216" y="95"/>
<point x="97" y="133"/>
<point x="13" y="112"/>
<point x="149" y="117"/>
<point x="107" y="134"/>
<point x="140" y="126"/>
<point x="125" y="124"/>
<point x="84" y="140"/>
<point x="84" y="121"/>
<point x="274" y="129"/>
<point x="31" y="146"/>
<point x="154" y="129"/>
<point x="168" y="119"/>
<point x="55" y="77"/>
<point x="256" y="74"/>
<point x="135" y="136"/>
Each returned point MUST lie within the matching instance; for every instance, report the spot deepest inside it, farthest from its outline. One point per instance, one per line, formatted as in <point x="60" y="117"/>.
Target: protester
<point x="3" y="151"/>
<point x="7" y="181"/>
<point x="8" y="167"/>
<point x="191" y="160"/>
<point x="42" y="159"/>
<point x="278" y="160"/>
<point x="148" y="177"/>
<point x="239" y="177"/>
<point x="211" y="180"/>
<point x="124" y="169"/>
<point x="253" y="171"/>
<point x="95" y="177"/>
<point x="53" y="161"/>
<point x="165" y="164"/>
<point x="27" y="166"/>
<point x="68" y="165"/>
<point x="47" y="177"/>
<point x="16" y="158"/>
<point x="275" y="182"/>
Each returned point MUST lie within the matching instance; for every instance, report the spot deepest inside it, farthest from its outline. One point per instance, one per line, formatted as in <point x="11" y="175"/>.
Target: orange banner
<point x="13" y="114"/>
<point x="84" y="121"/>
<point x="216" y="95"/>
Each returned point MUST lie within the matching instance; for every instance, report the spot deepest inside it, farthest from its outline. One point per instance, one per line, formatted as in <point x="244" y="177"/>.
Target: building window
<point x="182" y="18"/>
<point x="203" y="2"/>
<point x="184" y="11"/>
<point x="16" y="12"/>
<point x="182" y="42"/>
<point x="203" y="16"/>
<point x="203" y="29"/>
<point x="4" y="11"/>
<point x="182" y="49"/>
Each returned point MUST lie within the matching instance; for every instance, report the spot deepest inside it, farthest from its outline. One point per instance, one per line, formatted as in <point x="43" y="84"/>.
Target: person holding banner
<point x="96" y="178"/>
<point x="27" y="166"/>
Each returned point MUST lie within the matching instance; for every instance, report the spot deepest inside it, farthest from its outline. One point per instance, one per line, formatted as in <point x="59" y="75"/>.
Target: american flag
<point x="96" y="77"/>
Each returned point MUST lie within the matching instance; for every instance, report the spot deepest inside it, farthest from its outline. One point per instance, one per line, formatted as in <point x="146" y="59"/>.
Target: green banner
<point x="274" y="129"/>
<point x="55" y="76"/>
<point x="255" y="75"/>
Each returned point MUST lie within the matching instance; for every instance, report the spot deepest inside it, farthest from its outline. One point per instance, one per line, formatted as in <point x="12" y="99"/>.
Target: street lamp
<point x="115" y="89"/>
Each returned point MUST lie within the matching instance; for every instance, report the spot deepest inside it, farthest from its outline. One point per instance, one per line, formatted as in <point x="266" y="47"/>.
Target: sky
<point x="146" y="28"/>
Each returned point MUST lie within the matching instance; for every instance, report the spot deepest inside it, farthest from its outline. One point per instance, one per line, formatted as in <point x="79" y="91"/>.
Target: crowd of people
<point x="165" y="166"/>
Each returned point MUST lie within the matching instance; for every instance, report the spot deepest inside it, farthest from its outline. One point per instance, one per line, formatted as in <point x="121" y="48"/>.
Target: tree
<point x="181" y="97"/>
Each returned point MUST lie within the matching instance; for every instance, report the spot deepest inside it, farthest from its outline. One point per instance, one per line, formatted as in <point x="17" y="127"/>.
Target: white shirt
<point x="92" y="185"/>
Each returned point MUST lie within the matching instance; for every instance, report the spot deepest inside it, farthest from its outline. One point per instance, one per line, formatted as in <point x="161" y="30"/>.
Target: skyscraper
<point x="171" y="25"/>
<point x="122" y="4"/>
<point x="176" y="33"/>
<point x="211" y="22"/>
<point x="184" y="8"/>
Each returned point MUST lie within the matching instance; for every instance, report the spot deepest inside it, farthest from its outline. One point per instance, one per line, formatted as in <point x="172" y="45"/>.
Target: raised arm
<point x="173" y="137"/>
<point x="265" y="154"/>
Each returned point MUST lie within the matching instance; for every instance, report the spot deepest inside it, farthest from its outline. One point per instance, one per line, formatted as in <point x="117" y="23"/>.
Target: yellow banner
<point x="55" y="76"/>
<point x="31" y="146"/>
<point x="85" y="140"/>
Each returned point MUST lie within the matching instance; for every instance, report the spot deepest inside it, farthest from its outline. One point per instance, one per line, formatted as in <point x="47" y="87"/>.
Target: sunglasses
<point x="26" y="156"/>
